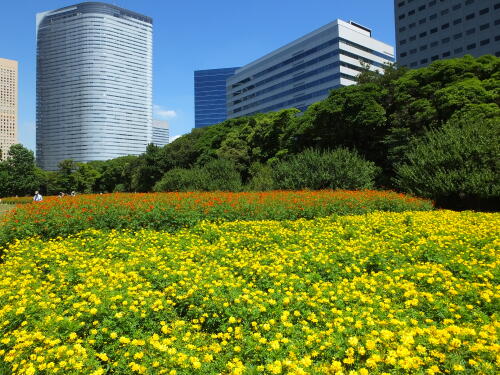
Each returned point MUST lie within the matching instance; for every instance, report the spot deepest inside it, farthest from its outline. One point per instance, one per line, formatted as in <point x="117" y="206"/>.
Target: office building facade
<point x="160" y="133"/>
<point x="8" y="105"/>
<point x="305" y="70"/>
<point x="94" y="83"/>
<point x="428" y="30"/>
<point x="210" y="96"/>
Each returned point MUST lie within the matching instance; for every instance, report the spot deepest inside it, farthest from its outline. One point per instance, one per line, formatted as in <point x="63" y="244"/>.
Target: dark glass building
<point x="210" y="96"/>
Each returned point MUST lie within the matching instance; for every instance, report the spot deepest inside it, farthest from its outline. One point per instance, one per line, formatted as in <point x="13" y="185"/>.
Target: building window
<point x="434" y="30"/>
<point x="445" y="40"/>
<point x="423" y="34"/>
<point x="402" y="42"/>
<point x="445" y="11"/>
<point x="434" y="44"/>
<point x="433" y="16"/>
<point x="457" y="7"/>
<point x="457" y="36"/>
<point x="402" y="54"/>
<point x="412" y="25"/>
<point x="484" y="42"/>
<point x="484" y="27"/>
<point x="434" y="58"/>
<point x="469" y="2"/>
<point x="470" y="31"/>
<point x="458" y="50"/>
<point x="446" y="54"/>
<point x="497" y="53"/>
<point x="401" y="3"/>
<point x="484" y="11"/>
<point x="471" y="46"/>
<point x="497" y="38"/>
<point x="412" y="38"/>
<point x="423" y="48"/>
<point x="445" y="26"/>
<point x="411" y="12"/>
<point x="432" y="3"/>
<point x="413" y="51"/>
<point x="424" y="61"/>
<point x="497" y="6"/>
<point x="497" y="22"/>
<point x="469" y="16"/>
<point x="422" y="7"/>
<point x="457" y="21"/>
<point x="402" y="16"/>
<point x="422" y="21"/>
<point x="413" y="64"/>
<point x="401" y="29"/>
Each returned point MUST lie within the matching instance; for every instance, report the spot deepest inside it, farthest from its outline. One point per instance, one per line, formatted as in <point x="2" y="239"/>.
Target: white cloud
<point x="175" y="137"/>
<point x="159" y="111"/>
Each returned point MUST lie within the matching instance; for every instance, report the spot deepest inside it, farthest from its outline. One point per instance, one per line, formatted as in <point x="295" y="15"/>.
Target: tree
<point x="456" y="165"/>
<point x="18" y="174"/>
<point x="84" y="178"/>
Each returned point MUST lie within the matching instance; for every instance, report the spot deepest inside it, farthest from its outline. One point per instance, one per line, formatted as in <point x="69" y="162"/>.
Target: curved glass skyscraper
<point x="94" y="83"/>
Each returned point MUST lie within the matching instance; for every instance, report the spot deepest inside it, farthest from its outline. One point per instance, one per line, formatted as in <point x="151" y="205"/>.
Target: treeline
<point x="433" y="132"/>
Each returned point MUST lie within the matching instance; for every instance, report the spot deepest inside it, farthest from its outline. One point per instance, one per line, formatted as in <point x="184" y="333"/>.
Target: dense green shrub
<point x="216" y="175"/>
<point x="220" y="175"/>
<point x="313" y="169"/>
<point x="458" y="165"/>
<point x="181" y="179"/>
<point x="261" y="178"/>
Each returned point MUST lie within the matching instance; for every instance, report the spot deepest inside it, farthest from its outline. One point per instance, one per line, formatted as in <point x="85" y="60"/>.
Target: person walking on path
<point x="38" y="197"/>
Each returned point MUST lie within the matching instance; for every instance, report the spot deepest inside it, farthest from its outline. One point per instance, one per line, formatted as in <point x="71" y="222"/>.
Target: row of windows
<point x="434" y="2"/>
<point x="297" y="58"/>
<point x="298" y="78"/>
<point x="458" y="50"/>
<point x="294" y="90"/>
<point x="291" y="102"/>
<point x="300" y="68"/>
<point x="444" y="26"/>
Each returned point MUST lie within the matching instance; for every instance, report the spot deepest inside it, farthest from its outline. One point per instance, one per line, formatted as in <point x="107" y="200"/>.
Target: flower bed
<point x="171" y="211"/>
<point x="396" y="293"/>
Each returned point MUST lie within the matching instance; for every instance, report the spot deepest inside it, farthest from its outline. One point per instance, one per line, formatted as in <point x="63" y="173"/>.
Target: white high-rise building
<point x="160" y="133"/>
<point x="305" y="70"/>
<point x="94" y="83"/>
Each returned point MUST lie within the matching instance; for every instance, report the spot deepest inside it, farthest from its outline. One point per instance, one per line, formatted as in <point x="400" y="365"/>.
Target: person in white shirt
<point x="38" y="197"/>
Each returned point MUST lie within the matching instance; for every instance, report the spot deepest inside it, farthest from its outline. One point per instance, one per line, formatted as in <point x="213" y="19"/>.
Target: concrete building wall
<point x="8" y="105"/>
<point x="94" y="83"/>
<point x="428" y="30"/>
<point x="305" y="70"/>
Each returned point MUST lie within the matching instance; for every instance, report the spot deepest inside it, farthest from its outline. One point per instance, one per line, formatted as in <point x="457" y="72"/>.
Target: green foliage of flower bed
<point x="171" y="211"/>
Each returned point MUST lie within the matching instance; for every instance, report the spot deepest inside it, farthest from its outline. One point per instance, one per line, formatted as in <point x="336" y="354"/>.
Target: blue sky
<point x="190" y="35"/>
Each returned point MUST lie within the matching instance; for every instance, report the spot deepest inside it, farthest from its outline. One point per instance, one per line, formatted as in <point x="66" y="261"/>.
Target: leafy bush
<point x="220" y="175"/>
<point x="216" y="175"/>
<point x="457" y="165"/>
<point x="181" y="179"/>
<point x="261" y="177"/>
<point x="313" y="169"/>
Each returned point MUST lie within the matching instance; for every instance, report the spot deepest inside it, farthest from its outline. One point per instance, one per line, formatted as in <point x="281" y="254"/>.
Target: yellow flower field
<point x="392" y="293"/>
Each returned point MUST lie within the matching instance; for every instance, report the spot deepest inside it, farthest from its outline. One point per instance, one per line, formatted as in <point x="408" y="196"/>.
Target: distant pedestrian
<point x="73" y="193"/>
<point x="37" y="197"/>
<point x="61" y="194"/>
